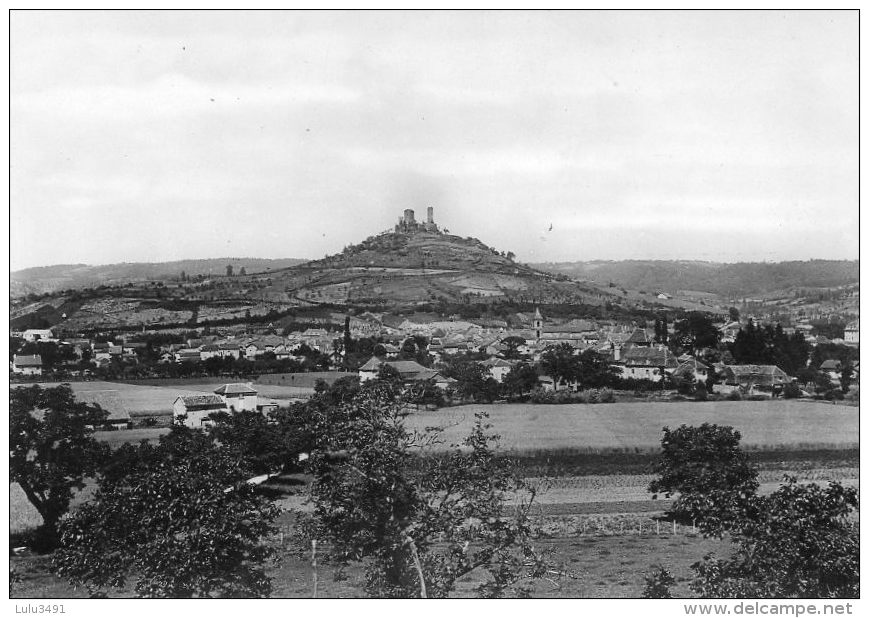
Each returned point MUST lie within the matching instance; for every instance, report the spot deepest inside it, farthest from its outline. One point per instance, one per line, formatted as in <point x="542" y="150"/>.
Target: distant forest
<point x="729" y="280"/>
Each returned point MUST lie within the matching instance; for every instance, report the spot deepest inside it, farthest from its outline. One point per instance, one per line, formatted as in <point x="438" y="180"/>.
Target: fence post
<point x="657" y="527"/>
<point x="674" y="526"/>
<point x="314" y="564"/>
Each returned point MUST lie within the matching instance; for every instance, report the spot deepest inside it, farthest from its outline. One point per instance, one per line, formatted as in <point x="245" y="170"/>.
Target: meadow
<point x="636" y="426"/>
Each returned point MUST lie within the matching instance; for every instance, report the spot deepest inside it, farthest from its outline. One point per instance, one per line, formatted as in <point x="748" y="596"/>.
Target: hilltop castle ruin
<point x="407" y="223"/>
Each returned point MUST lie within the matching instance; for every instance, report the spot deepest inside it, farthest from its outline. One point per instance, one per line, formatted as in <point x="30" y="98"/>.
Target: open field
<point x="637" y="426"/>
<point x="143" y="400"/>
<point x="524" y="428"/>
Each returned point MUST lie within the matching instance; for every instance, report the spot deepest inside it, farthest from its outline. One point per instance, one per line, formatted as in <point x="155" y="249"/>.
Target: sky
<point x="560" y="136"/>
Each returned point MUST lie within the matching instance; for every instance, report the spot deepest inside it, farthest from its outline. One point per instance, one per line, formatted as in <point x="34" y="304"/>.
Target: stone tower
<point x="538" y="323"/>
<point x="408" y="216"/>
<point x="430" y="215"/>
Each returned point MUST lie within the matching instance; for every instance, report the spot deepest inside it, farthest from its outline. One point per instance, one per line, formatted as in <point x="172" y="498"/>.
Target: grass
<point x="636" y="427"/>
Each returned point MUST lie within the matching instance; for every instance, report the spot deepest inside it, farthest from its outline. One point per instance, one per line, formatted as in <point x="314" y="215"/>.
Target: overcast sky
<point x="727" y="136"/>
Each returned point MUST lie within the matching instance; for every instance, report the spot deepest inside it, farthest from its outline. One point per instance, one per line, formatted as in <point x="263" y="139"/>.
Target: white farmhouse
<point x="238" y="397"/>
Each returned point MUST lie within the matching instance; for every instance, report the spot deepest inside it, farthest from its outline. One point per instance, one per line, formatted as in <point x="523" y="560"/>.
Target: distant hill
<point x="49" y="279"/>
<point x="728" y="280"/>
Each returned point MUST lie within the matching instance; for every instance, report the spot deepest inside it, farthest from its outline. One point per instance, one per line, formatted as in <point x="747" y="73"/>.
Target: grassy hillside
<point x="728" y="280"/>
<point x="46" y="279"/>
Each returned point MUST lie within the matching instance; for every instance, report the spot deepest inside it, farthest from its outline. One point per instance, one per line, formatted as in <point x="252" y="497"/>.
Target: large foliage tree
<point x="560" y="363"/>
<point x="695" y="331"/>
<point x="52" y="450"/>
<point x="178" y="519"/>
<point x="697" y="460"/>
<point x="417" y="523"/>
<point x="798" y="542"/>
<point x="513" y="343"/>
<point x="472" y="380"/>
<point x="594" y="370"/>
<point x="521" y="379"/>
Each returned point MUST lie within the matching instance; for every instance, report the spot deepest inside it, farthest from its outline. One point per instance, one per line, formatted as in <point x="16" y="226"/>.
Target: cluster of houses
<point x="632" y="349"/>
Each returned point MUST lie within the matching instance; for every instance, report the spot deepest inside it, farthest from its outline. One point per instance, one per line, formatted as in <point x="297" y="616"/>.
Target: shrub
<point x="734" y="396"/>
<point x="658" y="584"/>
<point x="607" y="395"/>
<point x="791" y="391"/>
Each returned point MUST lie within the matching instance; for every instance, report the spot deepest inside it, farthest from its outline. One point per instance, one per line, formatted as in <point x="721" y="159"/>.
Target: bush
<point x="791" y="391"/>
<point x="658" y="584"/>
<point x="607" y="395"/>
<point x="734" y="396"/>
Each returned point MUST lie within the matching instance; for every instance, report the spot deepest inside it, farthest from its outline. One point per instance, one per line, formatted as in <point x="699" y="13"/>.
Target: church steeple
<point x="538" y="323"/>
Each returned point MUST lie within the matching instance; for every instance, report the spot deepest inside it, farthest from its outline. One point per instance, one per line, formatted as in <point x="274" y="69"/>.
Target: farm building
<point x="197" y="409"/>
<point x="497" y="368"/>
<point x="238" y="397"/>
<point x="110" y="401"/>
<point x="38" y="334"/>
<point x="410" y="371"/>
<point x="639" y="338"/>
<point x="763" y="377"/>
<point x="693" y="367"/>
<point x="27" y="365"/>
<point x="641" y="363"/>
<point x="229" y="348"/>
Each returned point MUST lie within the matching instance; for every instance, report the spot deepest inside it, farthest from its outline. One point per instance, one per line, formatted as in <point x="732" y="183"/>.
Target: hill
<point x="734" y="281"/>
<point x="400" y="270"/>
<point x="49" y="279"/>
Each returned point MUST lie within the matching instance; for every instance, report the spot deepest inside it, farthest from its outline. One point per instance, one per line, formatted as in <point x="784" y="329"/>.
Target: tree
<point x="697" y="460"/>
<point x="733" y="314"/>
<point x="181" y="520"/>
<point x="250" y="435"/>
<point x="595" y="371"/>
<point x="798" y="542"/>
<point x="417" y="524"/>
<point x="521" y="379"/>
<point x="229" y="270"/>
<point x="513" y="343"/>
<point x="560" y="363"/>
<point x="52" y="450"/>
<point x="846" y="376"/>
<point x="696" y="331"/>
<point x="242" y="272"/>
<point x="472" y="381"/>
